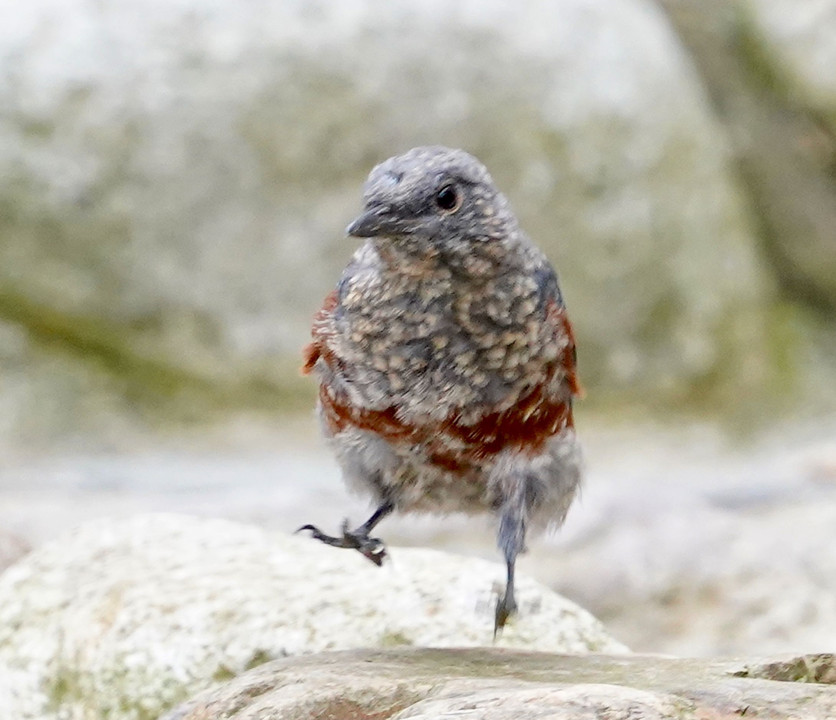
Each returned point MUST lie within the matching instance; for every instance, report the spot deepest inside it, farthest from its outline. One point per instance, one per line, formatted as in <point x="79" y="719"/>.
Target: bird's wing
<point x="319" y="332"/>
<point x="556" y="317"/>
<point x="568" y="358"/>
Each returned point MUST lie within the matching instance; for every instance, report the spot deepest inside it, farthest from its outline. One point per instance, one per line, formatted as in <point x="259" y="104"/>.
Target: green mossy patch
<point x="150" y="379"/>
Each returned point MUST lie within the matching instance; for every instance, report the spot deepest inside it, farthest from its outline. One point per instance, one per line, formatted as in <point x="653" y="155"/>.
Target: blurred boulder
<point x="713" y="578"/>
<point x="125" y="618"/>
<point x="177" y="177"/>
<point x="12" y="548"/>
<point x="798" y="39"/>
<point x="768" y="65"/>
<point x="793" y="48"/>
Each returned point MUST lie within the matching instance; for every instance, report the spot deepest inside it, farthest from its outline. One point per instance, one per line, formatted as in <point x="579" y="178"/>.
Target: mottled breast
<point x="410" y="355"/>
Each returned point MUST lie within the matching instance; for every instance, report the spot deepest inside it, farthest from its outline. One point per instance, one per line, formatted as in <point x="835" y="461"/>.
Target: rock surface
<point x="498" y="684"/>
<point x="12" y="548"/>
<point x="800" y="40"/>
<point x="793" y="49"/>
<point x="767" y="65"/>
<point x="685" y="548"/>
<point x="123" y="619"/>
<point x="175" y="188"/>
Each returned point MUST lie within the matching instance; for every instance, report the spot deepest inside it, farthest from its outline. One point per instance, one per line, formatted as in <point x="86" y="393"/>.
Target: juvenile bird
<point x="446" y="361"/>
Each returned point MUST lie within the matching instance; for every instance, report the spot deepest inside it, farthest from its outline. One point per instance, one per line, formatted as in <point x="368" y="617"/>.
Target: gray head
<point x="433" y="196"/>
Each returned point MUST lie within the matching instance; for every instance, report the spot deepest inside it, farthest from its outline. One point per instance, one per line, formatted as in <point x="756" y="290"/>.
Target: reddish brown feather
<point x="568" y="360"/>
<point x="319" y="348"/>
<point x="526" y="426"/>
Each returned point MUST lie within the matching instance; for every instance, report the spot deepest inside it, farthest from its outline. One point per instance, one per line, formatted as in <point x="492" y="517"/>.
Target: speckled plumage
<point x="445" y="358"/>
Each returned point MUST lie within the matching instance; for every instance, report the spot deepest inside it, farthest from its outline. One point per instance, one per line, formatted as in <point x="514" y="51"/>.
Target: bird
<point x="446" y="361"/>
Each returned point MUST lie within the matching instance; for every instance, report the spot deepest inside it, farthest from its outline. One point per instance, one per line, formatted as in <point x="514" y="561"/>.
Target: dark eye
<point x="449" y="198"/>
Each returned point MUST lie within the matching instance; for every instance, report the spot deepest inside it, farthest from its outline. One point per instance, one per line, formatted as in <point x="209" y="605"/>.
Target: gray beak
<point x="375" y="221"/>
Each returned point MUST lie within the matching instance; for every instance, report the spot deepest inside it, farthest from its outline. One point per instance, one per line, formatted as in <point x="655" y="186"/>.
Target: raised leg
<point x="358" y="539"/>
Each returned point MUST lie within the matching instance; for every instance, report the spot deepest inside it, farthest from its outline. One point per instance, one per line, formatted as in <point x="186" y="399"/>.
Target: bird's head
<point x="433" y="199"/>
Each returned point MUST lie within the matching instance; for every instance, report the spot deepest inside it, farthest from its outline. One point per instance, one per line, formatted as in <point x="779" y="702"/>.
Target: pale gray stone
<point x="799" y="37"/>
<point x="124" y="618"/>
<point x="12" y="548"/>
<point x="766" y="66"/>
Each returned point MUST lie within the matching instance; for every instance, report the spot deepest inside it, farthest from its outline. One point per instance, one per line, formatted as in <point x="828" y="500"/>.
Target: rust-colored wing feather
<point x="318" y="347"/>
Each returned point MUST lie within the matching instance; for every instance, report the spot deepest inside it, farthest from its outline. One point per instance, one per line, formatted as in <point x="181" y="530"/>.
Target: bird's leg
<point x="507" y="604"/>
<point x="358" y="539"/>
<point x="511" y="537"/>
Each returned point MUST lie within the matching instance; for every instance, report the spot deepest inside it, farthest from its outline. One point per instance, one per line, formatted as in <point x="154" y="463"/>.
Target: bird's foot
<point x="506" y="606"/>
<point x="371" y="547"/>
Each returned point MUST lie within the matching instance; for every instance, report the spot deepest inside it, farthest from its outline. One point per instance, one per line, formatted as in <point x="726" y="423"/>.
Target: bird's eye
<point x="449" y="198"/>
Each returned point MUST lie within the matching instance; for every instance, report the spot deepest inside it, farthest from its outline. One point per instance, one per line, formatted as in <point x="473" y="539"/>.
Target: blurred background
<point x="175" y="177"/>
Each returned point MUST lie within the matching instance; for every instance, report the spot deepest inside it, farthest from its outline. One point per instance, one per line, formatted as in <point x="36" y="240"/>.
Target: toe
<point x="505" y="608"/>
<point x="374" y="550"/>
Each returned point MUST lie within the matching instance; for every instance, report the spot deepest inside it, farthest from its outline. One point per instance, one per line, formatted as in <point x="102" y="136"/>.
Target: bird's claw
<point x="506" y="606"/>
<point x="370" y="547"/>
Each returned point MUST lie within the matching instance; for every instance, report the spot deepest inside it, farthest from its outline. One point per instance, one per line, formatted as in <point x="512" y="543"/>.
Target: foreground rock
<point x="496" y="684"/>
<point x="123" y="619"/>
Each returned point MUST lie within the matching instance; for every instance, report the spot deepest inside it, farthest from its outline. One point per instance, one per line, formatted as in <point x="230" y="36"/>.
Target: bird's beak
<point x="375" y="221"/>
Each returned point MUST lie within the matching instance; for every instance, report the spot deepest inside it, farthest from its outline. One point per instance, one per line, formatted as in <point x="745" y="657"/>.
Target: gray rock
<point x="793" y="45"/>
<point x="800" y="39"/>
<point x="766" y="64"/>
<point x="126" y="618"/>
<point x="706" y="581"/>
<point x="175" y="188"/>
<point x="498" y="684"/>
<point x="12" y="548"/>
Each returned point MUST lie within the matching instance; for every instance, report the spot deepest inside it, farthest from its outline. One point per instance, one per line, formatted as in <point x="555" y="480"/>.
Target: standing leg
<point x="511" y="540"/>
<point x="358" y="539"/>
<point x="507" y="604"/>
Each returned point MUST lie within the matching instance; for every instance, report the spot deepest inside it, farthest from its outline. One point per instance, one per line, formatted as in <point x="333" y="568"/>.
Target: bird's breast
<point x="436" y="347"/>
